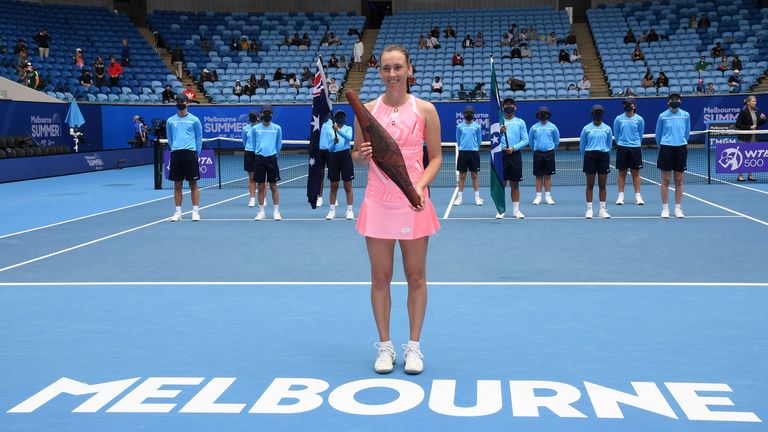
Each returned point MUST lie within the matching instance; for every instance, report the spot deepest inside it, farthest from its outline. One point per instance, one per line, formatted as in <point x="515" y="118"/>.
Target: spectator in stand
<point x="357" y="54"/>
<point x="43" y="40"/>
<point x="700" y="88"/>
<point x="432" y="42"/>
<point x="750" y="118"/>
<point x="551" y="39"/>
<point x="662" y="80"/>
<point x="710" y="88"/>
<point x="629" y="38"/>
<point x="205" y="76"/>
<point x="190" y="93"/>
<point x="647" y="81"/>
<point x="32" y="77"/>
<point x="449" y="32"/>
<point x="457" y="59"/>
<point x="532" y="32"/>
<point x="736" y="63"/>
<point x="125" y="54"/>
<point x="563" y="57"/>
<point x="205" y="45"/>
<point x="214" y="76"/>
<point x="333" y="39"/>
<point x="372" y="62"/>
<point x="296" y="40"/>
<point x="21" y="63"/>
<point x="629" y="92"/>
<point x="115" y="70"/>
<point x="99" y="72"/>
<point x="306" y="41"/>
<point x="238" y="89"/>
<point x="177" y="58"/>
<point x="717" y="51"/>
<point x="523" y="35"/>
<point x="333" y="88"/>
<point x="584" y="83"/>
<point x="525" y="51"/>
<point x="85" y="78"/>
<point x="254" y="47"/>
<point x="278" y="75"/>
<point x="516" y="53"/>
<point x="437" y="85"/>
<point x="244" y="45"/>
<point x="724" y="65"/>
<point x="168" y="95"/>
<point x="637" y="54"/>
<point x="479" y="40"/>
<point x="250" y="88"/>
<point x="506" y="40"/>
<point x="286" y="41"/>
<point x="78" y="58"/>
<point x="422" y="42"/>
<point x="513" y="32"/>
<point x="324" y="39"/>
<point x="467" y="42"/>
<point x="158" y="40"/>
<point x="435" y="32"/>
<point x="343" y="62"/>
<point x="701" y="65"/>
<point x="652" y="36"/>
<point x="704" y="22"/>
<point x="333" y="62"/>
<point x="263" y="83"/>
<point x="19" y="47"/>
<point x="734" y="82"/>
<point x="575" y="56"/>
<point x="693" y="22"/>
<point x="570" y="39"/>
<point x="234" y="45"/>
<point x="306" y="75"/>
<point x="353" y="32"/>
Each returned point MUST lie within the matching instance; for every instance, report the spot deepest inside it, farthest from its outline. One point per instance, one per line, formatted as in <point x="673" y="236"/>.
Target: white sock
<point x="349" y="207"/>
<point x="538" y="195"/>
<point x="333" y="207"/>
<point x="277" y="208"/>
<point x="621" y="196"/>
<point x="665" y="207"/>
<point x="678" y="207"/>
<point x="515" y="206"/>
<point x="386" y="345"/>
<point x="261" y="208"/>
<point x="413" y="344"/>
<point x="178" y="209"/>
<point x="477" y="194"/>
<point x="637" y="196"/>
<point x="602" y="205"/>
<point x="589" y="206"/>
<point x="460" y="194"/>
<point x="194" y="208"/>
<point x="548" y="195"/>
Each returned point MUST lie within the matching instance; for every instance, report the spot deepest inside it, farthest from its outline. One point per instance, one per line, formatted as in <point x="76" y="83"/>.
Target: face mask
<point x="544" y="116"/>
<point x="598" y="116"/>
<point x="181" y="106"/>
<point x="266" y="118"/>
<point x="628" y="108"/>
<point x="253" y="118"/>
<point x="674" y="105"/>
<point x="469" y="116"/>
<point x="509" y="110"/>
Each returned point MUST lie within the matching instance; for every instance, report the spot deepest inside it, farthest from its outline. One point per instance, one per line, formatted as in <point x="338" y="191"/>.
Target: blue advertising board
<point x="44" y="122"/>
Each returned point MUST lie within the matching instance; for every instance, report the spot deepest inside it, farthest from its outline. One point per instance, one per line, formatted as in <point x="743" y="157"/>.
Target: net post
<point x="158" y="165"/>
<point x="709" y="153"/>
<point x="218" y="159"/>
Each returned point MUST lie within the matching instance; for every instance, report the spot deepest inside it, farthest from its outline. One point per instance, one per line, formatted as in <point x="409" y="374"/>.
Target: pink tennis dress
<point x="386" y="212"/>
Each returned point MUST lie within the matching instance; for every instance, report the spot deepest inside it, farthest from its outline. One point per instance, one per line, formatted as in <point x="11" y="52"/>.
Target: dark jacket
<point x="744" y="122"/>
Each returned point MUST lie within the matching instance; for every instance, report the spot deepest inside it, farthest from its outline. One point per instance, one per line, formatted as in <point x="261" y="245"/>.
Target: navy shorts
<point x="597" y="162"/>
<point x="468" y="161"/>
<point x="249" y="158"/>
<point x="629" y="158"/>
<point x="184" y="166"/>
<point x="265" y="167"/>
<point x="544" y="163"/>
<point x="672" y="158"/>
<point x="340" y="166"/>
<point x="322" y="160"/>
<point x="513" y="166"/>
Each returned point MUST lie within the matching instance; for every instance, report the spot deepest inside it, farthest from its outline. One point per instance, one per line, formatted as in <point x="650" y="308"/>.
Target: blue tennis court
<point x="114" y="319"/>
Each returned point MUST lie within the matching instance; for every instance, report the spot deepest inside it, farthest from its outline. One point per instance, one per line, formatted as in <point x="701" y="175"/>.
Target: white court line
<point x="122" y="208"/>
<point x="81" y="245"/>
<point x="340" y="219"/>
<point x="450" y="203"/>
<point x="753" y="219"/>
<point x="367" y="283"/>
<point x="717" y="180"/>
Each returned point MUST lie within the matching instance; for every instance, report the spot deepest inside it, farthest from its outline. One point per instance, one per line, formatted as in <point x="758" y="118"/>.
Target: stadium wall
<point x="111" y="126"/>
<point x="255" y="6"/>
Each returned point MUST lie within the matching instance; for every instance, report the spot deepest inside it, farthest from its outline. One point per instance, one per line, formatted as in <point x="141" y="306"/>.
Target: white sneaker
<point x="260" y="216"/>
<point x="457" y="201"/>
<point x="549" y="200"/>
<point x="604" y="214"/>
<point x="252" y="202"/>
<point x="195" y="216"/>
<point x="276" y="215"/>
<point x="385" y="359"/>
<point x="620" y="200"/>
<point x="537" y="200"/>
<point x="639" y="201"/>
<point x="319" y="202"/>
<point x="499" y="215"/>
<point x="588" y="214"/>
<point x="331" y="214"/>
<point x="350" y="215"/>
<point x="176" y="217"/>
<point x="414" y="364"/>
<point x="518" y="214"/>
<point x="478" y="201"/>
<point x="679" y="214"/>
<point x="665" y="213"/>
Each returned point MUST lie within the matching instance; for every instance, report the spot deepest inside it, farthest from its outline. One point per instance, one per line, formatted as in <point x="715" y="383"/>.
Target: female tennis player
<point x="386" y="215"/>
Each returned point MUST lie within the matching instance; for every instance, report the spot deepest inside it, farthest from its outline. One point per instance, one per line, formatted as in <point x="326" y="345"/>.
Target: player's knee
<point x="380" y="281"/>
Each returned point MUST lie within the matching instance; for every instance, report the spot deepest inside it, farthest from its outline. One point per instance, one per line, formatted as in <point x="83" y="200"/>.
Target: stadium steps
<point x="762" y="84"/>
<point x="165" y="55"/>
<point x="355" y="79"/>
<point x="593" y="68"/>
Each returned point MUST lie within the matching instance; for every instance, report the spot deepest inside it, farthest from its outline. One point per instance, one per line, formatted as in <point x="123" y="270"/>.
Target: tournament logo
<point x="731" y="159"/>
<point x="224" y="126"/>
<point x="45" y="129"/>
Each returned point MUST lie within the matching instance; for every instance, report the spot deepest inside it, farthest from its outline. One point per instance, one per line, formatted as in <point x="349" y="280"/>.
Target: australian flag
<point x="497" y="166"/>
<point x="321" y="111"/>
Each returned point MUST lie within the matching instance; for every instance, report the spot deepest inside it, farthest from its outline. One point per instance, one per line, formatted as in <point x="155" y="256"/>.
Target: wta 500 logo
<point x="742" y="157"/>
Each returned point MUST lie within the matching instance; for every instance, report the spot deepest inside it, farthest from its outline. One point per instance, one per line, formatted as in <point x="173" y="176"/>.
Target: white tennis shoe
<point x="176" y="217"/>
<point x="277" y="216"/>
<point x="537" y="200"/>
<point x="518" y="214"/>
<point x="679" y="213"/>
<point x="414" y="363"/>
<point x="604" y="214"/>
<point x="665" y="213"/>
<point x="457" y="201"/>
<point x="350" y="215"/>
<point x="549" y="200"/>
<point x="588" y="214"/>
<point x="478" y="201"/>
<point x="331" y="214"/>
<point x="385" y="359"/>
<point x="195" y="216"/>
<point x="260" y="216"/>
<point x="252" y="202"/>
